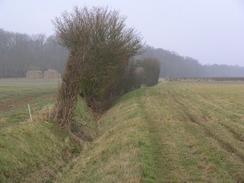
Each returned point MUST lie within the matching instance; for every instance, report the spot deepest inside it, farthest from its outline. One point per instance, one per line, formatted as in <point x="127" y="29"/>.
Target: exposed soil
<point x="21" y="101"/>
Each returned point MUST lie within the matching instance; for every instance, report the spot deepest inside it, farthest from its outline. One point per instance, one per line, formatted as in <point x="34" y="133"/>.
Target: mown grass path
<point x="196" y="131"/>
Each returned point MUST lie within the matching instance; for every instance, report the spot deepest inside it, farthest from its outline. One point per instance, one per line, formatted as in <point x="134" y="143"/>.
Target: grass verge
<point x="173" y="132"/>
<point x="35" y="151"/>
<point x="122" y="151"/>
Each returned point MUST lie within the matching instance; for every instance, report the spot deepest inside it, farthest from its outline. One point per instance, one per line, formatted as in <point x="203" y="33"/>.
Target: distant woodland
<point x="174" y="65"/>
<point x="21" y="52"/>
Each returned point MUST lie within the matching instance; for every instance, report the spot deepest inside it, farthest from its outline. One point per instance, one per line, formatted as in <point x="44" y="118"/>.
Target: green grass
<point x="193" y="132"/>
<point x="122" y="151"/>
<point x="172" y="132"/>
<point x="34" y="151"/>
<point x="15" y="94"/>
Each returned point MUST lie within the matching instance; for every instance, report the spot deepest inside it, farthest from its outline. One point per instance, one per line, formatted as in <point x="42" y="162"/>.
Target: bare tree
<point x="100" y="48"/>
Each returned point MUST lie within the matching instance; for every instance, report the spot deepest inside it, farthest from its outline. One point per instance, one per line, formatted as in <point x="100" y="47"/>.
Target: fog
<point x="210" y="31"/>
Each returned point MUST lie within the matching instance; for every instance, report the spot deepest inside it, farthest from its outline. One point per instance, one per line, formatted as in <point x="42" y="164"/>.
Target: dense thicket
<point x="151" y="67"/>
<point x="174" y="65"/>
<point x="21" y="52"/>
<point x="141" y="73"/>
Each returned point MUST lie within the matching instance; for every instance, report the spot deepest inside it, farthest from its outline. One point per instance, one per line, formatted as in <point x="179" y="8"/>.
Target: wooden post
<point x="29" y="111"/>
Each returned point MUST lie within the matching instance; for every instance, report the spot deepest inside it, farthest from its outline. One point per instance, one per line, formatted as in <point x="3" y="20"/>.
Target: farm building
<point x="34" y="74"/>
<point x="51" y="74"/>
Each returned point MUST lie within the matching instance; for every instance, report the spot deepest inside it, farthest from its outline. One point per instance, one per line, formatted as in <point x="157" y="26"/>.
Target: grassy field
<point x="33" y="151"/>
<point x="173" y="132"/>
<point x="15" y="94"/>
<point x="197" y="131"/>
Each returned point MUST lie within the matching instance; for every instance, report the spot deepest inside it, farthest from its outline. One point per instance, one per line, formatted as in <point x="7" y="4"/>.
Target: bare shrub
<point x="100" y="48"/>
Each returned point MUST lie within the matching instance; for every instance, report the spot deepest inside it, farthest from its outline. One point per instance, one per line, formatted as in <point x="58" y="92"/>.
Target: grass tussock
<point x="36" y="151"/>
<point x="32" y="147"/>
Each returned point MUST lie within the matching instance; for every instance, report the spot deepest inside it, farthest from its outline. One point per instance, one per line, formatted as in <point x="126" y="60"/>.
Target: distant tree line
<point x="21" y="52"/>
<point x="175" y="66"/>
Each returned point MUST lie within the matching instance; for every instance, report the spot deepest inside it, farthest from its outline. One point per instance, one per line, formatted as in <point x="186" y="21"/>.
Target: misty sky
<point x="211" y="31"/>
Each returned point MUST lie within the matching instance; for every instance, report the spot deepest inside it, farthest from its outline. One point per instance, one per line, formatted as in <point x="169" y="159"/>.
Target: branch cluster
<point x="100" y="47"/>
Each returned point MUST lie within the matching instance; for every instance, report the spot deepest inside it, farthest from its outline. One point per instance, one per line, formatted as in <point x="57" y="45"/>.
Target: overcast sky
<point x="211" y="31"/>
